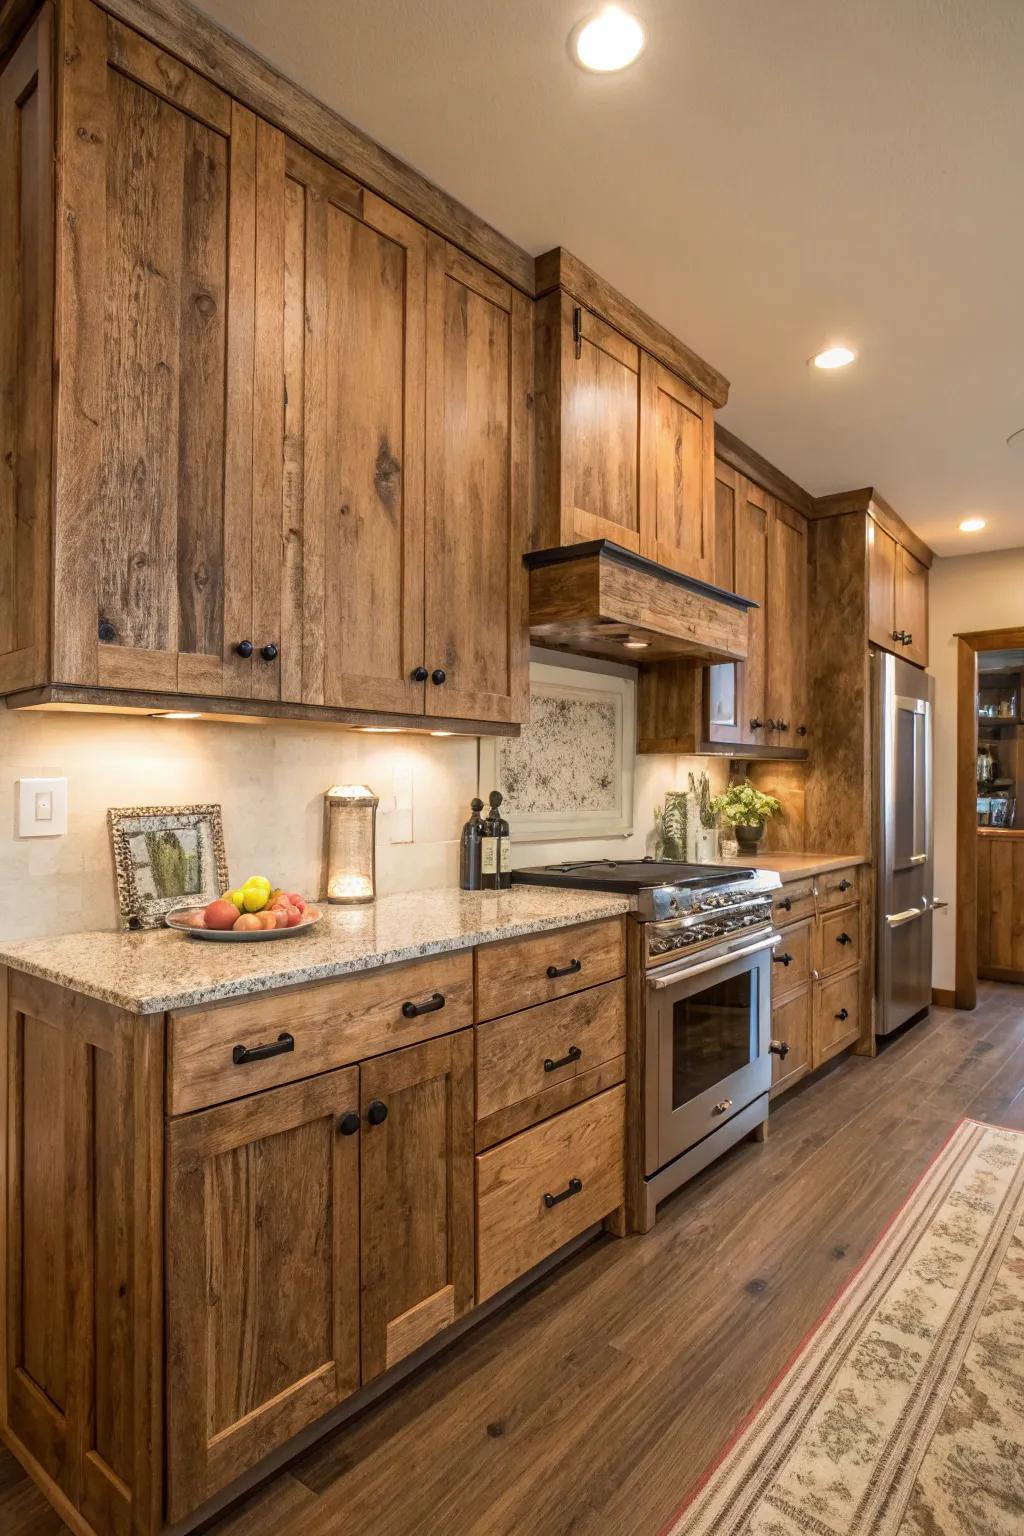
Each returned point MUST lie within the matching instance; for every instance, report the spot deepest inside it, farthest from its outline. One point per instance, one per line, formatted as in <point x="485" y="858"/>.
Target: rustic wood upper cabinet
<point x="912" y="606"/>
<point x="786" y="624"/>
<point x="624" y="437"/>
<point x="897" y="574"/>
<point x="154" y="427"/>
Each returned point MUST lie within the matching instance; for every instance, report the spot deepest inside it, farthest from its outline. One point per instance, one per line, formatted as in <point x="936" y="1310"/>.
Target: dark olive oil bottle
<point x="470" y="874"/>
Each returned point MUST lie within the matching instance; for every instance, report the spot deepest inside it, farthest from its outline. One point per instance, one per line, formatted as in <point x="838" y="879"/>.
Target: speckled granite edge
<point x="149" y="973"/>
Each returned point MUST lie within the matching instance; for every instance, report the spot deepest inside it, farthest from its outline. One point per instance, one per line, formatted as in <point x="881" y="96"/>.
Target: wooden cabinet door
<point x="155" y="275"/>
<point x="416" y="1195"/>
<point x="882" y="625"/>
<point x="338" y="547"/>
<point x="599" y="430"/>
<point x="262" y="1271"/>
<point x="791" y="1025"/>
<point x="479" y="371"/>
<point x="750" y="579"/>
<point x="677" y="473"/>
<point x="786" y="681"/>
<point x="912" y="606"/>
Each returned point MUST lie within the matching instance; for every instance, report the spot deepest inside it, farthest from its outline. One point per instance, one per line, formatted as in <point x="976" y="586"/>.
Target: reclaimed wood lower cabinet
<point x="817" y="975"/>
<point x="221" y="1222"/>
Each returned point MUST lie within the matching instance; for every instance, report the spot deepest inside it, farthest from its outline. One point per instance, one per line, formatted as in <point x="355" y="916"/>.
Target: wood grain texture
<point x="838" y="940"/>
<point x="26" y="346"/>
<point x="511" y="1052"/>
<point x="836" y="1015"/>
<point x="882" y="548"/>
<point x="416" y="1194"/>
<point x="967" y="821"/>
<point x="791" y="1023"/>
<point x="599" y="407"/>
<point x="513" y="974"/>
<point x="786" y="625"/>
<point x="560" y="269"/>
<point x="743" y="460"/>
<point x="793" y="960"/>
<point x="519" y="1116"/>
<point x="753" y="512"/>
<point x="912" y="606"/>
<point x="332" y="1024"/>
<point x="869" y="500"/>
<point x="677" y="493"/>
<point x="515" y="1228"/>
<point x="1001" y="907"/>
<point x="262" y="1277"/>
<point x="669" y="708"/>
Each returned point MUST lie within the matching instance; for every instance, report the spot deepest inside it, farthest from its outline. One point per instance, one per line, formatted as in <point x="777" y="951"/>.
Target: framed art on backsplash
<point x="570" y="772"/>
<point x="166" y="856"/>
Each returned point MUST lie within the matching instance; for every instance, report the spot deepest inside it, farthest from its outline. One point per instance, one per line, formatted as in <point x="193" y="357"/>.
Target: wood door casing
<point x="881" y="587"/>
<point x="26" y="353"/>
<point x="912" y="606"/>
<point x="600" y="429"/>
<point x="416" y="1197"/>
<point x="155" y="273"/>
<point x="262" y="1278"/>
<point x="479" y="368"/>
<point x="786" y="621"/>
<point x="677" y="473"/>
<point x="342" y="303"/>
<point x="82" y="1267"/>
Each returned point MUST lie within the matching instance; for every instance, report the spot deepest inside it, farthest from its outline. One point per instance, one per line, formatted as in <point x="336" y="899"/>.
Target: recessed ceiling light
<point x="972" y="525"/>
<point x="833" y="357"/>
<point x="176" y="714"/>
<point x="636" y="645"/>
<point x="608" y="41"/>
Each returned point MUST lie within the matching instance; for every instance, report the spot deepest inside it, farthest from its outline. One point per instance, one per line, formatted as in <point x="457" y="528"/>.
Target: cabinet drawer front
<point x="838" y="888"/>
<point x="838" y="940"/>
<point x="520" y="972"/>
<point x="516" y="1226"/>
<point x="329" y="1026"/>
<point x="528" y="1052"/>
<point x="791" y="960"/>
<point x="793" y="902"/>
<point x="836" y="1015"/>
<point x="791" y="1023"/>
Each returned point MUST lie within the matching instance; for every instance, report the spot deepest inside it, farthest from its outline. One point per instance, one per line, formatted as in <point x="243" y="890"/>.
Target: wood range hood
<point x="598" y="599"/>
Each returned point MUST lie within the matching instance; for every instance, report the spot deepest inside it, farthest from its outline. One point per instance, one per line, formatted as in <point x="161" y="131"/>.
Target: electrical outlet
<point x="42" y="807"/>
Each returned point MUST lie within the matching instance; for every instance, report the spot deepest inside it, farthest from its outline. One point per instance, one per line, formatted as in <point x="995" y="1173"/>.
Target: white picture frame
<point x="552" y="775"/>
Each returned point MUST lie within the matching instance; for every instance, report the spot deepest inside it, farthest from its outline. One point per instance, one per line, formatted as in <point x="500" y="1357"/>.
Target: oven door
<point x="708" y="1028"/>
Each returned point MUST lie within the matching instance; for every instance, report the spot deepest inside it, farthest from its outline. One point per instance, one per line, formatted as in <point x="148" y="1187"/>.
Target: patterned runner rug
<point x="904" y="1411"/>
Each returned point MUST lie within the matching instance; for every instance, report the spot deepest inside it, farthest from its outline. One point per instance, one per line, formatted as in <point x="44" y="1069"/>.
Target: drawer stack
<point x="550" y="1095"/>
<point x="816" y="979"/>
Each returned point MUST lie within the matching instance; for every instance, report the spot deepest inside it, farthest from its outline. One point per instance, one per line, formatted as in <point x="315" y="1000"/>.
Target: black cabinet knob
<point x="843" y="938"/>
<point x="843" y="1015"/>
<point x="786" y="903"/>
<point x="844" y="885"/>
<point x="419" y="674"/>
<point x="438" y="676"/>
<point x="244" y="648"/>
<point x="782" y="959"/>
<point x="801" y="730"/>
<point x="377" y="1112"/>
<point x="756" y="724"/>
<point x="349" y="1123"/>
<point x="269" y="651"/>
<point x="783" y="725"/>
<point x="106" y="631"/>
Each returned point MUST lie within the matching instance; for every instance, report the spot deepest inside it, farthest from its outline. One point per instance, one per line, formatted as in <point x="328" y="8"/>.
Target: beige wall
<point x="966" y="593"/>
<point x="269" y="781"/>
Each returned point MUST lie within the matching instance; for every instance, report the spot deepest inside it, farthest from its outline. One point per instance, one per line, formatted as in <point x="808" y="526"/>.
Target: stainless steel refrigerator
<point x="903" y="708"/>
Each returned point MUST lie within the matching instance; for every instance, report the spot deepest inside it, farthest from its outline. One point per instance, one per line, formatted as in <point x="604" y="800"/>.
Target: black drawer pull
<point x="845" y="885"/>
<point x="413" y="1010"/>
<point x="563" y="1061"/>
<point x="786" y="904"/>
<point x="565" y="970"/>
<point x="574" y="1187"/>
<point x="349" y="1123"/>
<point x="279" y="1047"/>
<point x="786" y="959"/>
<point x="843" y="938"/>
<point x="843" y="1015"/>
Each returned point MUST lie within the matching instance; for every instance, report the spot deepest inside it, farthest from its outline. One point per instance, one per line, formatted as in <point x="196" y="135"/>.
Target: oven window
<point x="713" y="1034"/>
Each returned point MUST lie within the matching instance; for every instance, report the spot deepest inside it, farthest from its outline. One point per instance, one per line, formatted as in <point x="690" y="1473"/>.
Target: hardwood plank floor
<point x="590" y="1404"/>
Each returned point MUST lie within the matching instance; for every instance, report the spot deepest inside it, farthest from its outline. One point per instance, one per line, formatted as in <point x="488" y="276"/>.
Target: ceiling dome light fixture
<point x="972" y="525"/>
<point x="833" y="357"/>
<point x="606" y="42"/>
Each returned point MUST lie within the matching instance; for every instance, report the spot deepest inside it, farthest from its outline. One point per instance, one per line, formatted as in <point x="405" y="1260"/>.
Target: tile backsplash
<point x="270" y="782"/>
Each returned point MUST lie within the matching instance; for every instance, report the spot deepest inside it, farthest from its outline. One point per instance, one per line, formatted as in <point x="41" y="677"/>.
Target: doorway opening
<point x="989" y="810"/>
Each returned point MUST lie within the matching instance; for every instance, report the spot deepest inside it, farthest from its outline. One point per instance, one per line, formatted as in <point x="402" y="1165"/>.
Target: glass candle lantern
<point x="350" y="814"/>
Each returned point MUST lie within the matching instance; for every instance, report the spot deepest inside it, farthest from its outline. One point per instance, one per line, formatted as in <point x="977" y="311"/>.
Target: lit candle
<point x="350" y="814"/>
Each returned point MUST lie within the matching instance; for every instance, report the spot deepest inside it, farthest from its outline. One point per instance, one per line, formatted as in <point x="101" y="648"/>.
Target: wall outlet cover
<point x="41" y="807"/>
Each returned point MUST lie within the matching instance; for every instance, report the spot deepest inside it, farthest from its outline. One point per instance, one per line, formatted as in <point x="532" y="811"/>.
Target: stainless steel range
<point x="702" y="1042"/>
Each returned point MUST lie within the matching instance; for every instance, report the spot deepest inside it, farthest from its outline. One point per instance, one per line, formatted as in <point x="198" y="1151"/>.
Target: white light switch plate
<point x="42" y="807"/>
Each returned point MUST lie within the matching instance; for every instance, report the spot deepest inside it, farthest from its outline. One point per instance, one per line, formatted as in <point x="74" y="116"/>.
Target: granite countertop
<point x="792" y="866"/>
<point x="158" y="970"/>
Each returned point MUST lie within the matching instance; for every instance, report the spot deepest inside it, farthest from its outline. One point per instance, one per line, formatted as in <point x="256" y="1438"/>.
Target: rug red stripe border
<point x="713" y="1466"/>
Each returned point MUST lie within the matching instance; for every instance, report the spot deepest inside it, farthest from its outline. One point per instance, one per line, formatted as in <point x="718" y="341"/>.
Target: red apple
<point x="221" y="914"/>
<point x="297" y="901"/>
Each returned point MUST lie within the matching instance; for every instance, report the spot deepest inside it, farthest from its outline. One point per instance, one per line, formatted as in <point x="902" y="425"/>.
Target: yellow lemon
<point x="237" y="898"/>
<point x="254" y="898"/>
<point x="259" y="881"/>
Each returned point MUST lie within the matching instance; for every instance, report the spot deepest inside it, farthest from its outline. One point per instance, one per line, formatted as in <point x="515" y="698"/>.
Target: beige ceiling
<point x="771" y="175"/>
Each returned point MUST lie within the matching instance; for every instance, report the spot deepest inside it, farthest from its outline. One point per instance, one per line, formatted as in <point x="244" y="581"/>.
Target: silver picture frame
<point x="166" y="856"/>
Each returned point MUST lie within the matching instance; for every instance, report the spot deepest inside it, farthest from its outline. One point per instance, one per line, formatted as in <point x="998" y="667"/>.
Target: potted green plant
<point x="746" y="810"/>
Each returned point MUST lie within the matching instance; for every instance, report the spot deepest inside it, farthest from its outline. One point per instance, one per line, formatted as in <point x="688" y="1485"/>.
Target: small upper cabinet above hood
<point x="599" y="599"/>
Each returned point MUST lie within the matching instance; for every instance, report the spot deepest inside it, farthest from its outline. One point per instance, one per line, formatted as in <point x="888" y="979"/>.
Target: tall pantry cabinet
<point x="291" y="450"/>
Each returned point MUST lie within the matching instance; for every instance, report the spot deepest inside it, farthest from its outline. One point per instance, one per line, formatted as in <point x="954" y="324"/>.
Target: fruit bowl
<point x="182" y="921"/>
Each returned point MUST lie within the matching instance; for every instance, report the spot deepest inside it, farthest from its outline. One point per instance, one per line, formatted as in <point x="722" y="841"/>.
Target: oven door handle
<point x="664" y="979"/>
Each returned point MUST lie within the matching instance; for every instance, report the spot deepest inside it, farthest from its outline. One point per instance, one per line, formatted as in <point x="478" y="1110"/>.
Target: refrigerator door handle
<point x="897" y="919"/>
<point x="936" y="906"/>
<point x="918" y="858"/>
